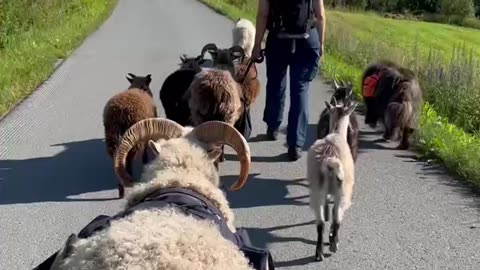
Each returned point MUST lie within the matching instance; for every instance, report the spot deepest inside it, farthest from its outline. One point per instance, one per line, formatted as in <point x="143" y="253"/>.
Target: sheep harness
<point x="190" y="203"/>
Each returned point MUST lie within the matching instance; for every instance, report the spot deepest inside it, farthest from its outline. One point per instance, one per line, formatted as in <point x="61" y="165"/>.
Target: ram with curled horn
<point x="215" y="94"/>
<point x="178" y="205"/>
<point x="182" y="142"/>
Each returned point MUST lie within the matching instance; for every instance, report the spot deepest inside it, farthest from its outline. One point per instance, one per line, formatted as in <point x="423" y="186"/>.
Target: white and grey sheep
<point x="122" y="111"/>
<point x="166" y="238"/>
<point x="243" y="34"/>
<point x="330" y="172"/>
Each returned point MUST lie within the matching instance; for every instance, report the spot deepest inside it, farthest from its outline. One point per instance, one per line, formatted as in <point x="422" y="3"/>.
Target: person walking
<point x="296" y="34"/>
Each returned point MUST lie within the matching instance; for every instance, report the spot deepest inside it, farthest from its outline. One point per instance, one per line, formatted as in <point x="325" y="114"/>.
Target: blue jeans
<point x="303" y="69"/>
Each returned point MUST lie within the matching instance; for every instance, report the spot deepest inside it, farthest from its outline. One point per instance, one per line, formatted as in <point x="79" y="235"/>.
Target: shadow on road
<point x="440" y="174"/>
<point x="262" y="237"/>
<point x="82" y="167"/>
<point x="262" y="192"/>
<point x="365" y="141"/>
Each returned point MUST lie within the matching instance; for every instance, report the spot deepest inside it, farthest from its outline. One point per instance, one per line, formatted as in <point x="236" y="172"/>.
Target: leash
<point x="251" y="61"/>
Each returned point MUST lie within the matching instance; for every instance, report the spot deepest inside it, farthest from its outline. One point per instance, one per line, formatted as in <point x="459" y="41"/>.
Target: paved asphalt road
<point x="55" y="175"/>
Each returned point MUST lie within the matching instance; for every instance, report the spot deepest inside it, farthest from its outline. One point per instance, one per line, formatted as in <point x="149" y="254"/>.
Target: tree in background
<point x="462" y="8"/>
<point x="360" y="4"/>
<point x="477" y="8"/>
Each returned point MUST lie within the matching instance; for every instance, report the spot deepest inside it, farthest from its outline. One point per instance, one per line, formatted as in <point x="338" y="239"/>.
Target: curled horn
<point x="218" y="132"/>
<point x="208" y="47"/>
<point x="237" y="48"/>
<point x="142" y="131"/>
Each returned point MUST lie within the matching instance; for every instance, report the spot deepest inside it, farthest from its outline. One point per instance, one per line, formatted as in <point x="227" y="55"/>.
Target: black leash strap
<point x="250" y="63"/>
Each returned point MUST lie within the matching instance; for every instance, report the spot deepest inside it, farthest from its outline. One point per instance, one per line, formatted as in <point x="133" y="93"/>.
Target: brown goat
<point x="122" y="111"/>
<point x="395" y="97"/>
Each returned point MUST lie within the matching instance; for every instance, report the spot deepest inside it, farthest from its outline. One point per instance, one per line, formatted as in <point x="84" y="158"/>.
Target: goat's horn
<point x="219" y="132"/>
<point x="209" y="46"/>
<point x="336" y="84"/>
<point x="142" y="131"/>
<point x="334" y="101"/>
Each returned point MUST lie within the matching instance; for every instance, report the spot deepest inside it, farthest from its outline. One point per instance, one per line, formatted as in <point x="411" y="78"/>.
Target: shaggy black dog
<point x="392" y="94"/>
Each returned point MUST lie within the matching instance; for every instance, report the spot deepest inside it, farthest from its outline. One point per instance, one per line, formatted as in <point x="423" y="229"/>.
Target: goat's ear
<point x="129" y="79"/>
<point x="148" y="79"/>
<point x="154" y="147"/>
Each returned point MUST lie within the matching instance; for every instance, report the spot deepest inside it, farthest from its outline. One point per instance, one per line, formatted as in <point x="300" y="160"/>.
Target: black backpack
<point x="291" y="18"/>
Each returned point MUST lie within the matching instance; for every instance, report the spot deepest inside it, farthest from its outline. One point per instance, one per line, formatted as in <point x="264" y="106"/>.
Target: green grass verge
<point x="353" y="41"/>
<point x="34" y="34"/>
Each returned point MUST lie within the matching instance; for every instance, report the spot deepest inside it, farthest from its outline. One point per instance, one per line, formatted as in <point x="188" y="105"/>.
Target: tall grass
<point x="448" y="75"/>
<point x="451" y="83"/>
<point x="34" y="34"/>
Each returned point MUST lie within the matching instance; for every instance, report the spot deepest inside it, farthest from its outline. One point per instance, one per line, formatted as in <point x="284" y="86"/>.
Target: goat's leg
<point x="316" y="202"/>
<point x="319" y="255"/>
<point x="333" y="237"/>
<point x="326" y="211"/>
<point x="221" y="158"/>
<point x="339" y="208"/>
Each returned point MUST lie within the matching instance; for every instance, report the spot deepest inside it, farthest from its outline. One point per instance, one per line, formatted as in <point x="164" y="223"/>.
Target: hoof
<point x="319" y="257"/>
<point x="333" y="247"/>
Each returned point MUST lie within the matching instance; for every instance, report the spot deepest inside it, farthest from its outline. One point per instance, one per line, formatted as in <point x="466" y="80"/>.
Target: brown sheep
<point x="122" y="111"/>
<point x="214" y="94"/>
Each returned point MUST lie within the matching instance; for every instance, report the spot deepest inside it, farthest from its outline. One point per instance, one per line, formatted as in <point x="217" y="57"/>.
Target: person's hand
<point x="322" y="50"/>
<point x="256" y="52"/>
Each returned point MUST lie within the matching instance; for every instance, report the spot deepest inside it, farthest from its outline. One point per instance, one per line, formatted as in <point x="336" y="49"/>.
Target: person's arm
<point x="261" y="24"/>
<point x="321" y="19"/>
